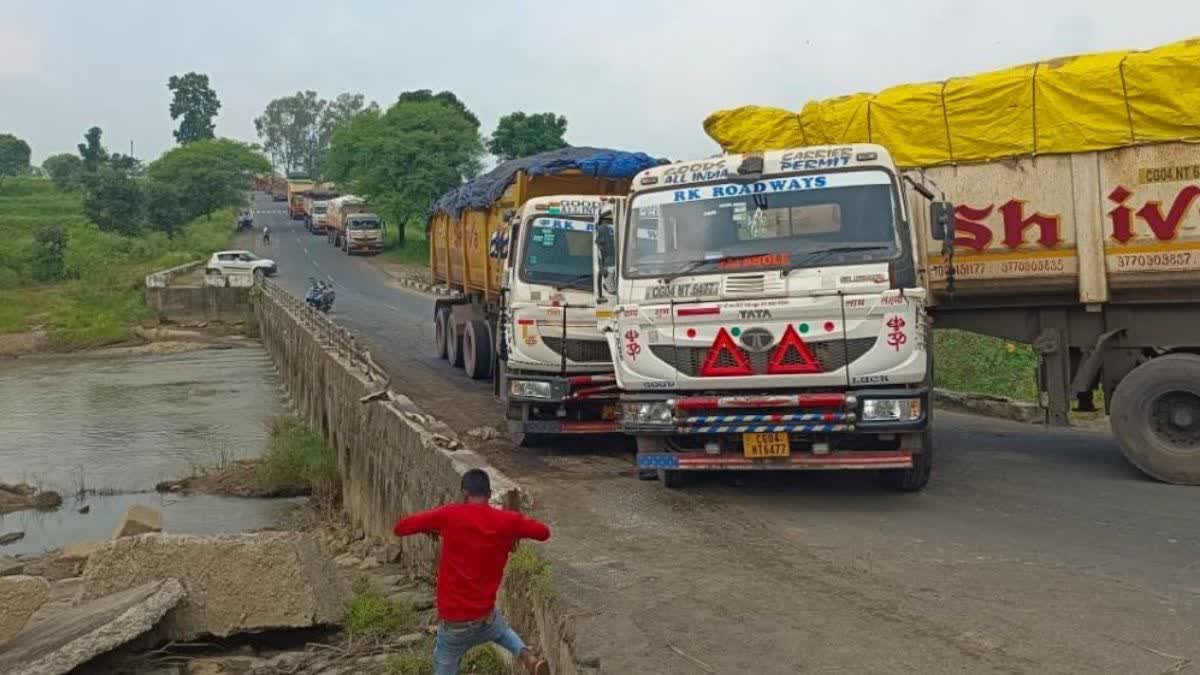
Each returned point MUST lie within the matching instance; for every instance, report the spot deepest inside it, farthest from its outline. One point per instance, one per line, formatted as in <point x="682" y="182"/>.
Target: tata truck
<point x="295" y="197"/>
<point x="766" y="312"/>
<point x="315" y="209"/>
<point x="353" y="226"/>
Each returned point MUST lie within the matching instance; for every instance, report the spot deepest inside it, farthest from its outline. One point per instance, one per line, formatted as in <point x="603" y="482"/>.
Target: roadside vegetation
<point x="298" y="455"/>
<point x="980" y="364"/>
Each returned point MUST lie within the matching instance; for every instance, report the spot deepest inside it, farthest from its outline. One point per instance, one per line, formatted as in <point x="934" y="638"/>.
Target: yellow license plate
<point x="762" y="446"/>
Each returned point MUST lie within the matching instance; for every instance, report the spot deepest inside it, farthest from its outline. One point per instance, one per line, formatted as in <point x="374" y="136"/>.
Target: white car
<point x="239" y="262"/>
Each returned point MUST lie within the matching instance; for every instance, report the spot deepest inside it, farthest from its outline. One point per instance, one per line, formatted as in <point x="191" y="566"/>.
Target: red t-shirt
<point x="476" y="541"/>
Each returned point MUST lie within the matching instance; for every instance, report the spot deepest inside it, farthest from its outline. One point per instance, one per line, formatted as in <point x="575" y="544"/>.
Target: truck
<point x="1075" y="228"/>
<point x="353" y="227"/>
<point x="295" y="197"/>
<point x="514" y="247"/>
<point x="279" y="189"/>
<point x="766" y="312"/>
<point x="315" y="205"/>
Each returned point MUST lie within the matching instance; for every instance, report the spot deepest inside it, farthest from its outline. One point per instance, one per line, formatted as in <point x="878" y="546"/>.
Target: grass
<point x="979" y="364"/>
<point x="101" y="299"/>
<point x="414" y="250"/>
<point x="370" y="615"/>
<point x="527" y="570"/>
<point x="297" y="455"/>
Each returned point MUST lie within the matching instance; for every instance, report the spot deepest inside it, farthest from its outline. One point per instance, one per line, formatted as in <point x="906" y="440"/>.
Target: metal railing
<point x="328" y="333"/>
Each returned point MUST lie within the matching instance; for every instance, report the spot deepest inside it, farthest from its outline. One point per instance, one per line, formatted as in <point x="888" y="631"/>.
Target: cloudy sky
<point x="631" y="75"/>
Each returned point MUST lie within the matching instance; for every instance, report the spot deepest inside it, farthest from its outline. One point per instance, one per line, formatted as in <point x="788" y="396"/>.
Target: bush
<point x="298" y="456"/>
<point x="66" y="170"/>
<point x="113" y="201"/>
<point x="49" y="252"/>
<point x="369" y="614"/>
<point x="980" y="364"/>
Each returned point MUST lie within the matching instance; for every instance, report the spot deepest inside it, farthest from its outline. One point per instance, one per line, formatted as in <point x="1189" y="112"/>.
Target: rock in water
<point x="11" y="537"/>
<point x="235" y="583"/>
<point x="20" y="597"/>
<point x="75" y="636"/>
<point x="138" y="519"/>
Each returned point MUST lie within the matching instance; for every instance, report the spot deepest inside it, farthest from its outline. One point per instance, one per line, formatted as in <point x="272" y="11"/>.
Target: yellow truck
<point x="513" y="248"/>
<point x="1076" y="223"/>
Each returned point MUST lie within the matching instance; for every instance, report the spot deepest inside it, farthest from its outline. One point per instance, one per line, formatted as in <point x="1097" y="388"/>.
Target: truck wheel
<point x="1156" y="418"/>
<point x="440" y="319"/>
<point x="916" y="478"/>
<point x="454" y="343"/>
<point x="477" y="349"/>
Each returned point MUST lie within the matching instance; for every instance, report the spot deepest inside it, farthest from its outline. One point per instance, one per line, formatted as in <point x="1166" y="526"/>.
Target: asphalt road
<point x="1032" y="550"/>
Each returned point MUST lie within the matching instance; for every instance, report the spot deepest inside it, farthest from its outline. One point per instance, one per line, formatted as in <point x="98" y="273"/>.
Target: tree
<point x="65" y="169"/>
<point x="296" y="129"/>
<point x="49" y="251"/>
<point x="165" y="208"/>
<point x="405" y="158"/>
<point x="208" y="175"/>
<point x="196" y="103"/>
<point x="447" y="97"/>
<point x="520" y="135"/>
<point x="91" y="151"/>
<point x="113" y="201"/>
<point x="14" y="156"/>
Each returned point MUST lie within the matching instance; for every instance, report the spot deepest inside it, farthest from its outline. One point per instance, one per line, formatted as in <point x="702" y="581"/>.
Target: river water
<point x="121" y="425"/>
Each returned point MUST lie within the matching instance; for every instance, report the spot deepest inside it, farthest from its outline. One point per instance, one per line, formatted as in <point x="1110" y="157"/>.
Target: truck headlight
<point x="529" y="389"/>
<point x="649" y="412"/>
<point x="891" y="409"/>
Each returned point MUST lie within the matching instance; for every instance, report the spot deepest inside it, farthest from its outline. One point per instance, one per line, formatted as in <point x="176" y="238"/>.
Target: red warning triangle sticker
<point x="792" y="356"/>
<point x="724" y="358"/>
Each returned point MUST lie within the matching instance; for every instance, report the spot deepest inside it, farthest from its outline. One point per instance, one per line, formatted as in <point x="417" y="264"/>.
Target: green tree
<point x="447" y="97"/>
<point x="92" y="151"/>
<point x="296" y="129"/>
<point x="403" y="159"/>
<point x="165" y="207"/>
<point x="49" y="251"/>
<point x="520" y="135"/>
<point x="65" y="169"/>
<point x="208" y="175"/>
<point x="112" y="199"/>
<point x="14" y="156"/>
<point x="195" y="102"/>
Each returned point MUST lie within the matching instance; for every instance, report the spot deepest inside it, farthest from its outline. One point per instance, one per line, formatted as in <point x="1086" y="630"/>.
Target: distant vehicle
<point x="295" y="197"/>
<point x="239" y="262"/>
<point x="314" y="207"/>
<point x="352" y="226"/>
<point x="320" y="295"/>
<point x="279" y="189"/>
<point x="245" y="221"/>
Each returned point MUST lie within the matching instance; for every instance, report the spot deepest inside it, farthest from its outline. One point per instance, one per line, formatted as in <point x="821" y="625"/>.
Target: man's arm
<point x="529" y="528"/>
<point x="425" y="521"/>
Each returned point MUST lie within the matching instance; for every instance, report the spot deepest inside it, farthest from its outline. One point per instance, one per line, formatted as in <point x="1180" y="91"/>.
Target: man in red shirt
<point x="476" y="541"/>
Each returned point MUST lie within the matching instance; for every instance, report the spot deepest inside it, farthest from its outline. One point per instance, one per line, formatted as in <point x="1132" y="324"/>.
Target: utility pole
<point x="131" y="147"/>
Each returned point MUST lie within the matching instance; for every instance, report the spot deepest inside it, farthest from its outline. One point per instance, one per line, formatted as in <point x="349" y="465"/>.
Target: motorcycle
<point x="320" y="295"/>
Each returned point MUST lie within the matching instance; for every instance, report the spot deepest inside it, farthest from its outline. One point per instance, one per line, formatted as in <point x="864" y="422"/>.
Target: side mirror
<point x="606" y="244"/>
<point x="941" y="220"/>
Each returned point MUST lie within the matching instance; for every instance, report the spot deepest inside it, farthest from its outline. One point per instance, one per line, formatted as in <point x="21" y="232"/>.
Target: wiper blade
<point x="570" y="283"/>
<point x="692" y="265"/>
<point x="819" y="255"/>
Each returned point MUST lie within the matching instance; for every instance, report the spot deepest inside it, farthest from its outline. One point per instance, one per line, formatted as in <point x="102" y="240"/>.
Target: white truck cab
<point x="766" y="313"/>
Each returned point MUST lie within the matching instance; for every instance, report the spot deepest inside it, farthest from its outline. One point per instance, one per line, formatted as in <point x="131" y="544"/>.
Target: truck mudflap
<point x="842" y="460"/>
<point x="554" y="427"/>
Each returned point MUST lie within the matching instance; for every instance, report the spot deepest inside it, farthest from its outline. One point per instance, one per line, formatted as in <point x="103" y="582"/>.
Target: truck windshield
<point x="784" y="222"/>
<point x="558" y="252"/>
<point x="364" y="224"/>
<point x="320" y="209"/>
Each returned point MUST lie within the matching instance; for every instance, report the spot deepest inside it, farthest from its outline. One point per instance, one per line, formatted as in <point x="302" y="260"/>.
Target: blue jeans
<point x="455" y="639"/>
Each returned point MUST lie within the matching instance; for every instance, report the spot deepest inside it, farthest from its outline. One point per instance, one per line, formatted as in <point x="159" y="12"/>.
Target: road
<point x="1032" y="550"/>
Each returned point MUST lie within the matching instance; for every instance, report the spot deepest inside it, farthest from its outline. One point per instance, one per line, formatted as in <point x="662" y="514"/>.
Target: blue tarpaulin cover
<point x="485" y="190"/>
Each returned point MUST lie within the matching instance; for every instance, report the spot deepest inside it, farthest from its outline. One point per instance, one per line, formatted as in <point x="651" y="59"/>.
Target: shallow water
<point x="124" y="424"/>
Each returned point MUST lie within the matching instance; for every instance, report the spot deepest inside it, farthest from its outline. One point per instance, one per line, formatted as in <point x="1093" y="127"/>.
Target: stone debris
<point x="484" y="433"/>
<point x="20" y="597"/>
<point x="81" y="550"/>
<point x="138" y="519"/>
<point x="74" y="637"/>
<point x="11" y="538"/>
<point x="235" y="583"/>
<point x="10" y="566"/>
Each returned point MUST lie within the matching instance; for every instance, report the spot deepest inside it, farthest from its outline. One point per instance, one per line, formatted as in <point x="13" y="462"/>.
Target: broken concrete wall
<point x="199" y="303"/>
<point x="393" y="459"/>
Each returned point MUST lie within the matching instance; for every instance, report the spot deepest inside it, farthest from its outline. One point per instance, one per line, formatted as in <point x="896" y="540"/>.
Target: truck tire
<point x="454" y="343"/>
<point x="477" y="349"/>
<point x="441" y="317"/>
<point x="916" y="478"/>
<point x="1156" y="418"/>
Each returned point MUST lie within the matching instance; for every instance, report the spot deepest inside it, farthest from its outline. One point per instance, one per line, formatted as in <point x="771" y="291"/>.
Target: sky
<point x="628" y="75"/>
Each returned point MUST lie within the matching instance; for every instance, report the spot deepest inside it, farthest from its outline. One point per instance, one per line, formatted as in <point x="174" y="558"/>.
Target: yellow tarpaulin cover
<point x="1076" y="104"/>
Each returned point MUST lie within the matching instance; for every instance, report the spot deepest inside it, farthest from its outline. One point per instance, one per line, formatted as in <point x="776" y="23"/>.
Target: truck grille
<point x="830" y="354"/>
<point x="580" y="351"/>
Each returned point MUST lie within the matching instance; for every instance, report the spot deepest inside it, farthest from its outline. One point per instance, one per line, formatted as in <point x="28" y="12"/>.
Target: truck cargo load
<point x="295" y="197"/>
<point x="353" y="227"/>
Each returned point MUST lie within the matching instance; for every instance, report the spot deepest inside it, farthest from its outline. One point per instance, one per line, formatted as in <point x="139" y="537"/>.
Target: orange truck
<point x="295" y="197"/>
<point x="279" y="189"/>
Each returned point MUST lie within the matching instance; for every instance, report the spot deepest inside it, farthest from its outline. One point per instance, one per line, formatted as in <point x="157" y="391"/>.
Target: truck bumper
<point x="701" y="461"/>
<point x="565" y="427"/>
<point x="575" y="404"/>
<point x="373" y="247"/>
